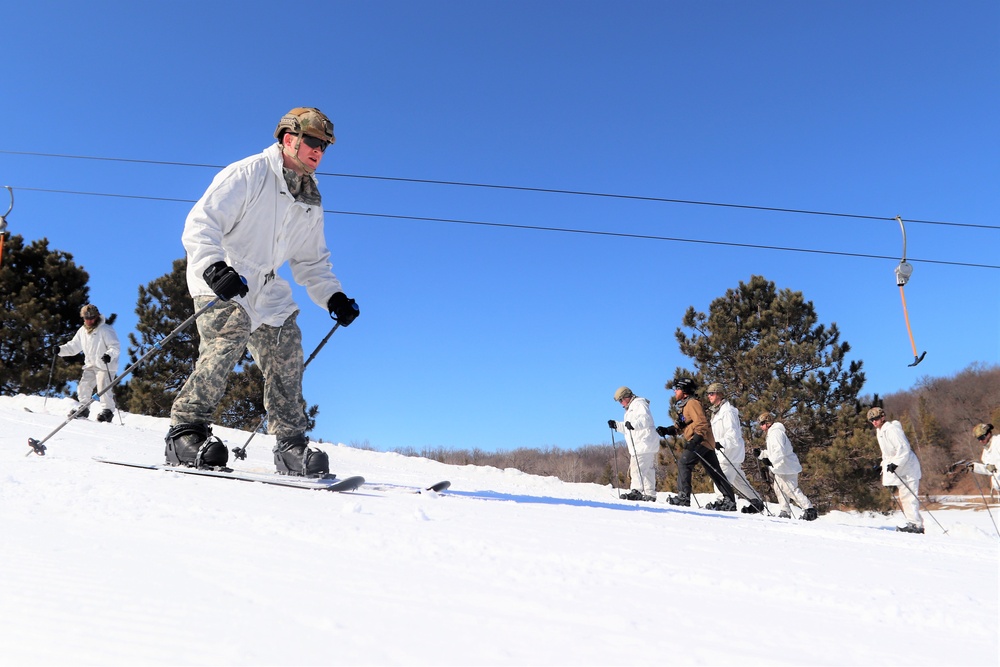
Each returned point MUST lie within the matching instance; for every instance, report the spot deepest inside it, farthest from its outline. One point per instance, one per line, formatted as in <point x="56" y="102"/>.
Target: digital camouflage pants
<point x="277" y="351"/>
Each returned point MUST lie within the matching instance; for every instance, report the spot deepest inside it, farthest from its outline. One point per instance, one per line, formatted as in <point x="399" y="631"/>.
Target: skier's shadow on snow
<point x="549" y="500"/>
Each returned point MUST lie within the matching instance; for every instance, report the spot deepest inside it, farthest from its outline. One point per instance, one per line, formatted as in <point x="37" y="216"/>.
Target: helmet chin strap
<point x="294" y="155"/>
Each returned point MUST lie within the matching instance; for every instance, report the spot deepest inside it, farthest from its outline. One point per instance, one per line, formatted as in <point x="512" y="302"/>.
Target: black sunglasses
<point x="315" y="142"/>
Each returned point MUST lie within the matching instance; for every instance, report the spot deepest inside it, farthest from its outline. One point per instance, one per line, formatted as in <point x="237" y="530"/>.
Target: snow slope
<point x="105" y="565"/>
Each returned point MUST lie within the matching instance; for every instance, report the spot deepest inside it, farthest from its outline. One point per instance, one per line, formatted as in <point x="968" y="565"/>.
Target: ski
<point x="312" y="483"/>
<point x="407" y="488"/>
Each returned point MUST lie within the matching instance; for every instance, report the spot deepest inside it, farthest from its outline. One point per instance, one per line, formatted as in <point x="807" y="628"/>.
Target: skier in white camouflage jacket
<point x="641" y="442"/>
<point x="258" y="214"/>
<point x="900" y="468"/>
<point x="991" y="454"/>
<point x="98" y="342"/>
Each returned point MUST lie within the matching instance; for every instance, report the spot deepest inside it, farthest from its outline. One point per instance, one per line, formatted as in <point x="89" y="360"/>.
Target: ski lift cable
<point x="565" y="230"/>
<point x="583" y="193"/>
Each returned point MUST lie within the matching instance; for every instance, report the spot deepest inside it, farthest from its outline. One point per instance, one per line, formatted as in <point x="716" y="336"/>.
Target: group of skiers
<point x="717" y="445"/>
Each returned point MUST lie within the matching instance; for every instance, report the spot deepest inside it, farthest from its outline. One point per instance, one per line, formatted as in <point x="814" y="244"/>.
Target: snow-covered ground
<point x="105" y="565"/>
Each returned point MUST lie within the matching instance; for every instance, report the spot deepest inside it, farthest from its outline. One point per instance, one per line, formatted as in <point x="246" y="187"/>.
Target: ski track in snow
<point x="106" y="565"/>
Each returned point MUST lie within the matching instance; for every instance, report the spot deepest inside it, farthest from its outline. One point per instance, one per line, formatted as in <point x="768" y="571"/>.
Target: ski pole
<point x="922" y="507"/>
<point x="988" y="510"/>
<point x="241" y="452"/>
<point x="112" y="379"/>
<point x="48" y="385"/>
<point x="38" y="446"/>
<point x="615" y="450"/>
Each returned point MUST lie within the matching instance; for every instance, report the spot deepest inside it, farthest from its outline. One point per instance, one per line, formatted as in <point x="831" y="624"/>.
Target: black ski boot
<point x="756" y="506"/>
<point x="810" y="514"/>
<point x="722" y="505"/>
<point x="194" y="446"/>
<point x="680" y="500"/>
<point x="911" y="528"/>
<point x="634" y="494"/>
<point x="106" y="416"/>
<point x="294" y="456"/>
<point x="82" y="414"/>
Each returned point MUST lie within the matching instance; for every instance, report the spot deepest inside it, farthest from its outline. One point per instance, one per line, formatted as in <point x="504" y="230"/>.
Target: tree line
<point x="765" y="345"/>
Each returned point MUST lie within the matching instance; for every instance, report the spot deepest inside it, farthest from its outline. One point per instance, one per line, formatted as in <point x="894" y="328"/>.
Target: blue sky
<point x="477" y="336"/>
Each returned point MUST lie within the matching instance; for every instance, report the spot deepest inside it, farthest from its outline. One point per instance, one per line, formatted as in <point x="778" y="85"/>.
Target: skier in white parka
<point x="991" y="454"/>
<point x="99" y="344"/>
<point x="785" y="468"/>
<point x="900" y="468"/>
<point x="728" y="434"/>
<point x="641" y="441"/>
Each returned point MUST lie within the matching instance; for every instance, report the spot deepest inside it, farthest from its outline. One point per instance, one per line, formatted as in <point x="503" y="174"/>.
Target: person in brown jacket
<point x="699" y="447"/>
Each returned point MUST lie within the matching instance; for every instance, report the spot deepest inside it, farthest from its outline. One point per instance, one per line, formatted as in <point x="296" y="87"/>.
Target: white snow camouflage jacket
<point x="94" y="345"/>
<point x="991" y="456"/>
<point x="248" y="219"/>
<point x="728" y="433"/>
<point x="643" y="433"/>
<point x="896" y="449"/>
<point x="779" y="451"/>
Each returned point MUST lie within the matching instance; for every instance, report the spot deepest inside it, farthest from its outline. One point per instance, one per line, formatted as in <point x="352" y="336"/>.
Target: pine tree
<point x="42" y="292"/>
<point x="771" y="354"/>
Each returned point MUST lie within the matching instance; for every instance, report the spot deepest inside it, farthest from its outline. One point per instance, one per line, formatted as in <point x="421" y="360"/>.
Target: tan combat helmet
<point x="875" y="413"/>
<point x="623" y="392"/>
<point x="306" y="120"/>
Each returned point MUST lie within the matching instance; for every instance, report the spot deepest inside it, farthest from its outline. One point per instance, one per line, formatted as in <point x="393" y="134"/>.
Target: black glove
<point x="106" y="358"/>
<point x="664" y="431"/>
<point x="718" y="445"/>
<point x="628" y="425"/>
<point x="58" y="349"/>
<point x="224" y="281"/>
<point x="612" y="424"/>
<point x="756" y="451"/>
<point x="695" y="440"/>
<point x="342" y="309"/>
<point x="766" y="461"/>
<point x="891" y="467"/>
